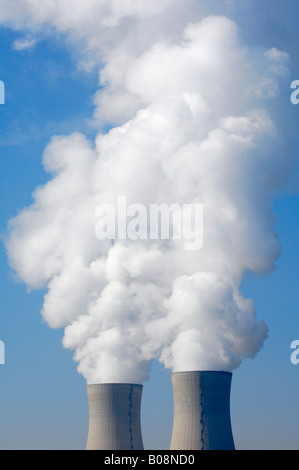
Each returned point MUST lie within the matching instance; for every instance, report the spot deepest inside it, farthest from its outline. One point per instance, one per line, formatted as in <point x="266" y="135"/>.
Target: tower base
<point x="201" y="411"/>
<point x="114" y="417"/>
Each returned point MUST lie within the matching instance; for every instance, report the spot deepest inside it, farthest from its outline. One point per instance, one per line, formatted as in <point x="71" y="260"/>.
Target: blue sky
<point x="43" y="403"/>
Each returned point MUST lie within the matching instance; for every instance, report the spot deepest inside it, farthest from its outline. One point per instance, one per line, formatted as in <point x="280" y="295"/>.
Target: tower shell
<point x="114" y="417"/>
<point x="201" y="418"/>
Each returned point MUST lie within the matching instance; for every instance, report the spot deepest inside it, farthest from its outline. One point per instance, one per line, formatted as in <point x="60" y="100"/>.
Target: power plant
<point x="201" y="418"/>
<point x="114" y="417"/>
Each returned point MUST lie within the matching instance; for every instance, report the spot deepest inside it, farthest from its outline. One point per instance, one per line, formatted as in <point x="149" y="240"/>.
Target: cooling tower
<point x="114" y="417"/>
<point x="201" y="411"/>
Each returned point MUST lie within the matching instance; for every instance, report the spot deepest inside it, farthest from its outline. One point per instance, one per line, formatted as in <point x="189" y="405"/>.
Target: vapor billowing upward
<point x="191" y="119"/>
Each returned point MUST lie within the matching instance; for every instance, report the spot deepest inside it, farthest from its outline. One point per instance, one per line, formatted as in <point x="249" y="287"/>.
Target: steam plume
<point x="191" y="124"/>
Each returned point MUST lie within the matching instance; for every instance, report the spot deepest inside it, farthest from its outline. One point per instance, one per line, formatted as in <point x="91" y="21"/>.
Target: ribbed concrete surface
<point x="202" y="411"/>
<point x="114" y="417"/>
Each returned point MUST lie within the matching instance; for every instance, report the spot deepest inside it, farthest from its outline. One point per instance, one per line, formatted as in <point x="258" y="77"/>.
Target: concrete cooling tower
<point x="114" y="417"/>
<point x="201" y="411"/>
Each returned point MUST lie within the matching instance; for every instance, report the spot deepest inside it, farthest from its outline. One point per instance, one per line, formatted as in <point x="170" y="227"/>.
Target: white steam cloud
<point x="191" y="125"/>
